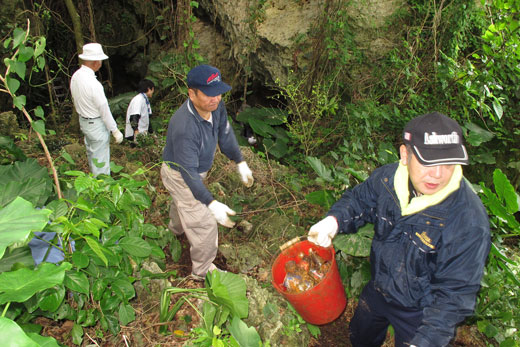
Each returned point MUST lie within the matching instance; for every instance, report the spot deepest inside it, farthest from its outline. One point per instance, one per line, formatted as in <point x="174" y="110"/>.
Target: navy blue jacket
<point x="432" y="260"/>
<point x="191" y="142"/>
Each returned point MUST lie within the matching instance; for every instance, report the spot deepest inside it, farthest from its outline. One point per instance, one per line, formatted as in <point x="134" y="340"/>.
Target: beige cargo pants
<point x="188" y="215"/>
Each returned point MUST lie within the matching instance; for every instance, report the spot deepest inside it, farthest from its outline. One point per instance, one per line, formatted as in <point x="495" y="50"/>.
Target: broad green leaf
<point x="43" y="341"/>
<point x="77" y="281"/>
<point x="497" y="208"/>
<point x="323" y="198"/>
<point x="98" y="288"/>
<point x="92" y="226"/>
<point x="7" y="42"/>
<point x="261" y="128"/>
<point x="40" y="46"/>
<point x="358" y="244"/>
<point x="135" y="246"/>
<point x="67" y="157"/>
<point x="8" y="144"/>
<point x="75" y="173"/>
<point x="477" y="135"/>
<point x="82" y="183"/>
<point x="229" y="290"/>
<point x="175" y="249"/>
<point x="123" y="289"/>
<point x="497" y="107"/>
<point x="245" y="336"/>
<point x="126" y="314"/>
<point x="487" y="328"/>
<point x="40" y="61"/>
<point x="13" y="84"/>
<point x="320" y="169"/>
<point x="80" y="260"/>
<point x="12" y="335"/>
<point x="17" y="220"/>
<point x="115" y="168"/>
<point x="314" y="330"/>
<point x="39" y="126"/>
<point x="51" y="299"/>
<point x="112" y="324"/>
<point x="19" y="256"/>
<point x="33" y="190"/>
<point x="77" y="334"/>
<point x="112" y="235"/>
<point x="271" y="116"/>
<point x="97" y="248"/>
<point x="19" y="68"/>
<point x="38" y="112"/>
<point x="109" y="302"/>
<point x="150" y="231"/>
<point x="505" y="191"/>
<point x="278" y="148"/>
<point x="59" y="208"/>
<point x="18" y="37"/>
<point x="209" y="313"/>
<point x="19" y="101"/>
<point x="21" y="284"/>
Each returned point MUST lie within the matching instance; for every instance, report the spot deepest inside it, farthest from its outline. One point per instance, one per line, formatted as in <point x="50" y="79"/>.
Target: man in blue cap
<point x="431" y="239"/>
<point x="193" y="134"/>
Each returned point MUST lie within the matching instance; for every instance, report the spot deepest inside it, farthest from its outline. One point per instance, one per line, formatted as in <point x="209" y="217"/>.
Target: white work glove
<point x="117" y="135"/>
<point x="222" y="213"/>
<point x="323" y="232"/>
<point x="246" y="175"/>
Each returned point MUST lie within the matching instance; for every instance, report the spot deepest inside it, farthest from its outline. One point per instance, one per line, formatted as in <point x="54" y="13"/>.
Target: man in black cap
<point x="431" y="239"/>
<point x="193" y="134"/>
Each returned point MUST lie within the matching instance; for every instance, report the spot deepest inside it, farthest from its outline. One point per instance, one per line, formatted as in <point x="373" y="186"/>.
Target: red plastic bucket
<point x="324" y="302"/>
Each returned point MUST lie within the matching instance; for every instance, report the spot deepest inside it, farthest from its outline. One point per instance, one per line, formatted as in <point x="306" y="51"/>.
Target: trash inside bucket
<point x="324" y="302"/>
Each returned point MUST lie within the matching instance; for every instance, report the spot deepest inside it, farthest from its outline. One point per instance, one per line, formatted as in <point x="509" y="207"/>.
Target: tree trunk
<point x="76" y="22"/>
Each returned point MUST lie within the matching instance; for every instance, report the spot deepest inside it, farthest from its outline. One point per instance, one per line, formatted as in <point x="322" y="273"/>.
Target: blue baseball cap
<point x="207" y="79"/>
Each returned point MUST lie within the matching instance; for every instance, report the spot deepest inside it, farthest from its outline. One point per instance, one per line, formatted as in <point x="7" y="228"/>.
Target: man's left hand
<point x="246" y="175"/>
<point x="117" y="135"/>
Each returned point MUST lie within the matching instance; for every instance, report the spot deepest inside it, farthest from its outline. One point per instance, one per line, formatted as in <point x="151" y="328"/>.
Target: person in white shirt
<point x="139" y="111"/>
<point x="95" y="119"/>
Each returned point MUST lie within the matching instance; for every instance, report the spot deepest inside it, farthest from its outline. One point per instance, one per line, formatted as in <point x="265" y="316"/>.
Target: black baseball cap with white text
<point x="436" y="139"/>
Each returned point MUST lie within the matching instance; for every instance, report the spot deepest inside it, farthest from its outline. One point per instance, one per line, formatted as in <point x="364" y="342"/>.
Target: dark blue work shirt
<point x="191" y="143"/>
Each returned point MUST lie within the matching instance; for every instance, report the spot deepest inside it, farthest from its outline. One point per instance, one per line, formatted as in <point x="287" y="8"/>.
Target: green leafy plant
<point x="225" y="305"/>
<point x="498" y="302"/>
<point x="25" y="48"/>
<point x="101" y="233"/>
<point x="269" y="124"/>
<point x="17" y="220"/>
<point x="307" y="111"/>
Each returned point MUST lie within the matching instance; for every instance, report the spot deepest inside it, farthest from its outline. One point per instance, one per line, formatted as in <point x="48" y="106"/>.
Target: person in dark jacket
<point x="193" y="134"/>
<point x="431" y="239"/>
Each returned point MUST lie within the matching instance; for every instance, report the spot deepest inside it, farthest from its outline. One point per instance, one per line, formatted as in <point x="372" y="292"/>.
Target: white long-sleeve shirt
<point x="138" y="105"/>
<point x="89" y="97"/>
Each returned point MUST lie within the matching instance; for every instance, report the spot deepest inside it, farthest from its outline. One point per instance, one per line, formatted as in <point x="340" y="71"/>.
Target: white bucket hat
<point x="93" y="51"/>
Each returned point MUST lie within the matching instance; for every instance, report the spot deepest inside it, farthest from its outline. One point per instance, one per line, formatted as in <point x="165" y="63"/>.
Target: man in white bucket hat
<point x="95" y="119"/>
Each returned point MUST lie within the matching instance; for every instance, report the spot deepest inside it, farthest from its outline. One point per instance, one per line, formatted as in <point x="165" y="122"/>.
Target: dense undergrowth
<point x="331" y="129"/>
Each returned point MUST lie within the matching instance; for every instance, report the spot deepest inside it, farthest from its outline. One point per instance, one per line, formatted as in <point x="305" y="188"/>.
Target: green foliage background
<point x="461" y="58"/>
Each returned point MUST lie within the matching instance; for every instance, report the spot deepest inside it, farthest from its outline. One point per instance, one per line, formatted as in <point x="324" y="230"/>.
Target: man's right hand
<point x="222" y="213"/>
<point x="323" y="232"/>
<point x="118" y="136"/>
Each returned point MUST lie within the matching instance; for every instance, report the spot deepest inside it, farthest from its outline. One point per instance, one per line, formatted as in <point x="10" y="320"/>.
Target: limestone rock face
<point x="264" y="38"/>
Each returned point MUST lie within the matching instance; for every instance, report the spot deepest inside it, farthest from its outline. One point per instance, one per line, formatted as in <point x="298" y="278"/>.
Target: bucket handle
<point x="292" y="242"/>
